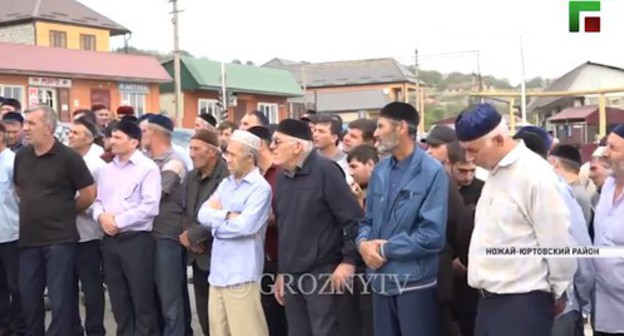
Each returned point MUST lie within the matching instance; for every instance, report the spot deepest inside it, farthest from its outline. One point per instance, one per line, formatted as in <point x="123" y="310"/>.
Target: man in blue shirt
<point x="11" y="319"/>
<point x="404" y="228"/>
<point x="238" y="214"/>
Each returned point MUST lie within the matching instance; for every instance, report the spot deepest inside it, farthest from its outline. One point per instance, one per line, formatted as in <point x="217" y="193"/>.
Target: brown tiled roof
<point x="62" y="11"/>
<point x="35" y="60"/>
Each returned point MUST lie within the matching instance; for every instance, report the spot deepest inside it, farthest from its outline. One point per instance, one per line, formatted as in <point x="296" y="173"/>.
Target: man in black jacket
<point x="317" y="223"/>
<point x="438" y="141"/>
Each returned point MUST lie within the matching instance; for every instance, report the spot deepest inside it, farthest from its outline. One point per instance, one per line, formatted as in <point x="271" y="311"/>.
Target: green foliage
<point x="160" y="56"/>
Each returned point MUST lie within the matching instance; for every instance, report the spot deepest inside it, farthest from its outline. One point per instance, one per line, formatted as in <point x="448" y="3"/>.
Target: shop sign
<point x="133" y="88"/>
<point x="50" y="82"/>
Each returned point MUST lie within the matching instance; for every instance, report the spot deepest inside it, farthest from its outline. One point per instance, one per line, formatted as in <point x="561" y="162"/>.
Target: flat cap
<point x="441" y="135"/>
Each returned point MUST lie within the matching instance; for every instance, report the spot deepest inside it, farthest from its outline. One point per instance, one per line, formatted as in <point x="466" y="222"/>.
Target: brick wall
<point x="24" y="33"/>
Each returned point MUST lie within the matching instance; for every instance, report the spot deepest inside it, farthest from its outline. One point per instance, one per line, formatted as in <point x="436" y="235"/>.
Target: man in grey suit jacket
<point x="209" y="170"/>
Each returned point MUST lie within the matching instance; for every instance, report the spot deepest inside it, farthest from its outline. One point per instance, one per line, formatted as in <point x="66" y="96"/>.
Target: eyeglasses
<point x="277" y="142"/>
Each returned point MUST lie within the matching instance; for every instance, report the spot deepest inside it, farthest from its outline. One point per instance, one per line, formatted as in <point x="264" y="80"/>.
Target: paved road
<point x="110" y="326"/>
<point x="109" y="320"/>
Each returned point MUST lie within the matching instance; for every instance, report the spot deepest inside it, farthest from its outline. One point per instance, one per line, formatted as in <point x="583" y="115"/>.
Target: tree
<point x="249" y="63"/>
<point x="236" y="62"/>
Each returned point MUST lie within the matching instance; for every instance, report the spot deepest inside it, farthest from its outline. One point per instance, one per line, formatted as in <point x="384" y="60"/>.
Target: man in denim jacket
<point x="404" y="228"/>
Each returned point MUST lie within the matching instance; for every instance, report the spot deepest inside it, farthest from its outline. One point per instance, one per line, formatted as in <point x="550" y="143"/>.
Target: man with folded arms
<point x="238" y="213"/>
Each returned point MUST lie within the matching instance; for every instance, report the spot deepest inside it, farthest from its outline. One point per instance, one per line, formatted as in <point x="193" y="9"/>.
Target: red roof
<point x="573" y="113"/>
<point x="35" y="60"/>
<point x="589" y="115"/>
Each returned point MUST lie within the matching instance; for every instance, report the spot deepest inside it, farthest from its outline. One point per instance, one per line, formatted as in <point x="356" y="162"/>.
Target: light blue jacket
<point x="9" y="210"/>
<point x="580" y="290"/>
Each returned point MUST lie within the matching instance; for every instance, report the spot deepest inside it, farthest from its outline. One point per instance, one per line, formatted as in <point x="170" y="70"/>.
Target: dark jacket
<point x="316" y="217"/>
<point x="470" y="194"/>
<point x="413" y="223"/>
<point x="196" y="192"/>
<point x="456" y="217"/>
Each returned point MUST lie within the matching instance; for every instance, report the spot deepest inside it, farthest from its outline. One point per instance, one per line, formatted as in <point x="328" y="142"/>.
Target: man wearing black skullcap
<point x="609" y="295"/>
<point x="317" y="222"/>
<point x="566" y="160"/>
<point x="10" y="105"/>
<point x="89" y="257"/>
<point x="205" y="121"/>
<point x="403" y="231"/>
<point x="11" y="317"/>
<point x="170" y="268"/>
<point x="201" y="182"/>
<point x="518" y="294"/>
<point x="129" y="193"/>
<point x="273" y="311"/>
<point x="14" y="135"/>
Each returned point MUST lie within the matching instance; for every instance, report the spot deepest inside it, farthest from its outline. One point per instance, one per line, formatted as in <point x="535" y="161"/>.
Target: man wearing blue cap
<point x="609" y="231"/>
<point x="169" y="256"/>
<point x="521" y="206"/>
<point x="404" y="228"/>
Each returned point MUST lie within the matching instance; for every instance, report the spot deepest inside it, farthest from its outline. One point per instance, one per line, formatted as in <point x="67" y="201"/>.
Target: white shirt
<point x="9" y="209"/>
<point x="520" y="206"/>
<point x="88" y="228"/>
<point x="95" y="150"/>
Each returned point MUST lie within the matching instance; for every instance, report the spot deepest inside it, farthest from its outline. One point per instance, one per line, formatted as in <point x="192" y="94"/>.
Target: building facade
<point x="248" y="88"/>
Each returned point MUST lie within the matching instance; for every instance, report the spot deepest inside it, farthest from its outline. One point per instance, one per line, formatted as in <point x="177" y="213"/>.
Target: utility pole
<point x="480" y="78"/>
<point x="523" y="85"/>
<point x="176" y="65"/>
<point x="224" y="112"/>
<point x="421" y="125"/>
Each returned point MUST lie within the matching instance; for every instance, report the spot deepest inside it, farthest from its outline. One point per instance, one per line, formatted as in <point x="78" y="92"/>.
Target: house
<point x="353" y="89"/>
<point x="579" y="125"/>
<point x="587" y="76"/>
<point x="56" y="53"/>
<point x="67" y="79"/>
<point x="248" y="88"/>
<point x="57" y="23"/>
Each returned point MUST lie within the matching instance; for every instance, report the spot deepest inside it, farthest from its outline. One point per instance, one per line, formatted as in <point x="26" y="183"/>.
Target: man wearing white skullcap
<point x="237" y="214"/>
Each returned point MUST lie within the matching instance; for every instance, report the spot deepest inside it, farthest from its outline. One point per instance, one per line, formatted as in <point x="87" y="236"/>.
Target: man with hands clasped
<point x="129" y="192"/>
<point x="403" y="230"/>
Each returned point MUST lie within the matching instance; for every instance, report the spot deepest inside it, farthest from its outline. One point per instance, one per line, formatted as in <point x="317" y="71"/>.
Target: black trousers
<point x="310" y="310"/>
<point x="274" y="312"/>
<point x="515" y="314"/>
<point x="52" y="266"/>
<point x="89" y="273"/>
<point x="201" y="286"/>
<point x="11" y="317"/>
<point x="355" y="309"/>
<point x="465" y="303"/>
<point x="598" y="333"/>
<point x="129" y="266"/>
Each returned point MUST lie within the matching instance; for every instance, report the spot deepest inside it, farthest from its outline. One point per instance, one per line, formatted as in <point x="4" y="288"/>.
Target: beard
<point x="388" y="144"/>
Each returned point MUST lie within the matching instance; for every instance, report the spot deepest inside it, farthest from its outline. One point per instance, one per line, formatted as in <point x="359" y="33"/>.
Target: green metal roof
<point x="204" y="74"/>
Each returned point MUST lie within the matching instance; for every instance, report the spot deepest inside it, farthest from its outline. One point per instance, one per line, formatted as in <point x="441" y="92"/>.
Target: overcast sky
<point x="332" y="30"/>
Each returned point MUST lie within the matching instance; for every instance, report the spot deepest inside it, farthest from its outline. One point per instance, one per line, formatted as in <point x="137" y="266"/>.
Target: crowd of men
<point x="301" y="228"/>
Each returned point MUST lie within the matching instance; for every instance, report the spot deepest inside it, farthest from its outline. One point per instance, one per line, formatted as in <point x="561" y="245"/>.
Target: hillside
<point x="447" y="94"/>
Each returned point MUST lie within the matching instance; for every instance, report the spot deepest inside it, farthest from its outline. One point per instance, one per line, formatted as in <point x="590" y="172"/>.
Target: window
<point x="136" y="100"/>
<point x="58" y="39"/>
<point x="13" y="91"/>
<point x="270" y="111"/>
<point x="209" y="106"/>
<point x="87" y="42"/>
